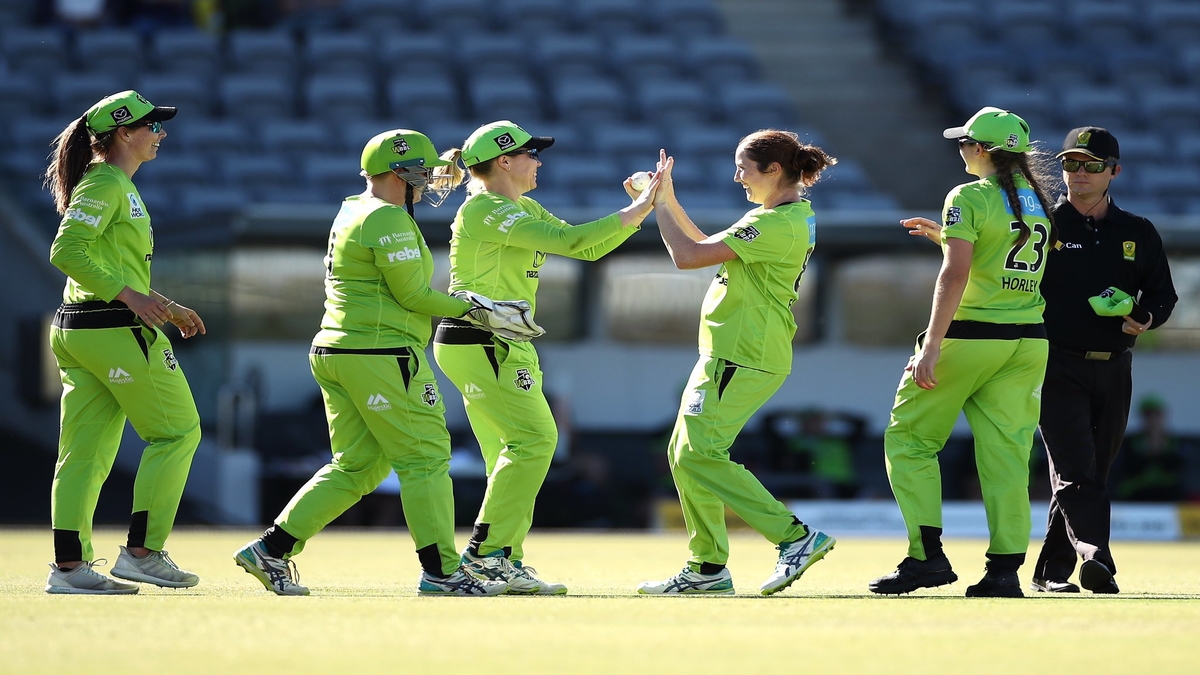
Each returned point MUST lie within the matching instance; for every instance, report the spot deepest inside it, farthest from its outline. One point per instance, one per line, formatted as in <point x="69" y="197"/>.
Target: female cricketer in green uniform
<point x="500" y="240"/>
<point x="381" y="399"/>
<point x="746" y="331"/>
<point x="984" y="353"/>
<point x="115" y="361"/>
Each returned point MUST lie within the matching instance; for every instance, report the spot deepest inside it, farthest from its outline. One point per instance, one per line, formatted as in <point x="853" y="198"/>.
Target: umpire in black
<point x="1085" y="398"/>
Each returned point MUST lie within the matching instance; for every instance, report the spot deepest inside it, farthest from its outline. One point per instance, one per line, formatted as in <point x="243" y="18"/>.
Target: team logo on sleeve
<point x="1128" y="249"/>
<point x="122" y="115"/>
<point x="430" y="395"/>
<point x="169" y="360"/>
<point x="953" y="216"/>
<point x="695" y="402"/>
<point x="400" y="146"/>
<point x="1012" y="141"/>
<point x="506" y="142"/>
<point x="135" y="206"/>
<point x="524" y="379"/>
<point x="746" y="234"/>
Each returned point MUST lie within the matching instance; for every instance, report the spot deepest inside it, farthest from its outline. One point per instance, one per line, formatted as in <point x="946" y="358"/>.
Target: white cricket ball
<point x="639" y="180"/>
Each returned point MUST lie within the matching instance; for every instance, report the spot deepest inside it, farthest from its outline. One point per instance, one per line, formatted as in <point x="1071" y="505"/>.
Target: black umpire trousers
<point x="1085" y="407"/>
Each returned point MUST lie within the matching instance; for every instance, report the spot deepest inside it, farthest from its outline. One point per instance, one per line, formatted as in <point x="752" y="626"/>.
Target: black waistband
<point x="456" y="332"/>
<point x="95" y="314"/>
<point x="1088" y="355"/>
<point x="387" y="351"/>
<point x="982" y="330"/>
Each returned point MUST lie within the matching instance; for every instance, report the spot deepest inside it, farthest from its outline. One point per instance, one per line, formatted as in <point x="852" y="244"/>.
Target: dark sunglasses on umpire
<point x="1097" y="166"/>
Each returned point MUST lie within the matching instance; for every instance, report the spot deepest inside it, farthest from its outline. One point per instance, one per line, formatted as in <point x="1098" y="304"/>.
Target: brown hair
<point x="74" y="149"/>
<point x="802" y="163"/>
<point x="1034" y="167"/>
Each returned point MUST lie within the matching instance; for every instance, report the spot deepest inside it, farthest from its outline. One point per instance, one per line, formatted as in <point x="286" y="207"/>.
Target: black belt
<point x="386" y="351"/>
<point x="456" y="332"/>
<point x="1089" y="356"/>
<point x="982" y="330"/>
<point x="95" y="314"/>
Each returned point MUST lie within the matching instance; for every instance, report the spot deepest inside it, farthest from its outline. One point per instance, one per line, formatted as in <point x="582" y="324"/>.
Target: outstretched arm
<point x="689" y="247"/>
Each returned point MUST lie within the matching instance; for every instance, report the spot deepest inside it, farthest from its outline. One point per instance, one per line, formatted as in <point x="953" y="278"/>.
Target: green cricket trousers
<point x="996" y="379"/>
<point x="719" y="399"/>
<point x="501" y="386"/>
<point x="384" y="412"/>
<point x="113" y="367"/>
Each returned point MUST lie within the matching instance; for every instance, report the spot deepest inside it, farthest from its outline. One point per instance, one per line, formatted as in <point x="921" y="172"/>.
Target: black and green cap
<point x="492" y="140"/>
<point x="999" y="129"/>
<point x="1095" y="142"/>
<point x="399" y="148"/>
<point x="122" y="109"/>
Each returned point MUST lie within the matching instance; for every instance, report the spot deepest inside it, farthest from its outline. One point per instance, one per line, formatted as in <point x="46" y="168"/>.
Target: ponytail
<point x="72" y="153"/>
<point x="1031" y="166"/>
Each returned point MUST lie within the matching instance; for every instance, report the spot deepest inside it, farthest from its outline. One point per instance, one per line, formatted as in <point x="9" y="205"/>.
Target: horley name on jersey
<point x="1019" y="284"/>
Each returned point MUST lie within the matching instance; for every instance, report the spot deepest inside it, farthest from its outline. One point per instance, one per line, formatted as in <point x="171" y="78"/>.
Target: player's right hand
<point x="923" y="227"/>
<point x="146" y="307"/>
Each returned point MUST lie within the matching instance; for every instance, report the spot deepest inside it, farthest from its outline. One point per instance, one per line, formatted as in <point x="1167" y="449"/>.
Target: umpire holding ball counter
<point x="1106" y="282"/>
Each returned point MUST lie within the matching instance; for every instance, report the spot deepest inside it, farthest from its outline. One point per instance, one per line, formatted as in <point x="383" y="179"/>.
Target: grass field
<point x="364" y="615"/>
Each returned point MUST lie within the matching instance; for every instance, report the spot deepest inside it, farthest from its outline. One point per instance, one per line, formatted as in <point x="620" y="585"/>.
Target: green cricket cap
<point x="122" y="109"/>
<point x="399" y="148"/>
<point x="492" y="140"/>
<point x="997" y="128"/>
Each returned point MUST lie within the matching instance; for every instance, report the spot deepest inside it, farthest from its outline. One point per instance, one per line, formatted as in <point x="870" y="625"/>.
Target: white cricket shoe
<point x="547" y="587"/>
<point x="495" y="566"/>
<point x="278" y="575"/>
<point x="689" y="582"/>
<point x="83" y="580"/>
<point x="795" y="557"/>
<point x="156" y="568"/>
<point x="461" y="582"/>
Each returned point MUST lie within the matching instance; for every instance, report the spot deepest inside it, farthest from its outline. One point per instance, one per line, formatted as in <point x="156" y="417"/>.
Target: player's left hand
<point x="1132" y="327"/>
<point x="185" y="319"/>
<point x="922" y="365"/>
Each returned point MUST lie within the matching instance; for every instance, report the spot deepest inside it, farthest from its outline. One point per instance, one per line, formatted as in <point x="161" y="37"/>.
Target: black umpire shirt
<point x="1122" y="250"/>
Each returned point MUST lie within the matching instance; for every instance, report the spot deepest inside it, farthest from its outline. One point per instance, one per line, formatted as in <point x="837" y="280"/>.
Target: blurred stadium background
<point x="277" y="97"/>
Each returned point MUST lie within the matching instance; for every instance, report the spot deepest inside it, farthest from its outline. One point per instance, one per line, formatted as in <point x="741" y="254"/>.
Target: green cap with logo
<point x="122" y="109"/>
<point x="399" y="148"/>
<point x="492" y="140"/>
<point x="996" y="128"/>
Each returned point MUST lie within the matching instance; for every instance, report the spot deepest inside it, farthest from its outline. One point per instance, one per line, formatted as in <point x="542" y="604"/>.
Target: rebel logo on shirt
<point x="506" y="142"/>
<point x="77" y="214"/>
<point x="400" y="146"/>
<point x="404" y="254"/>
<point x="122" y="115"/>
<point x="747" y="234"/>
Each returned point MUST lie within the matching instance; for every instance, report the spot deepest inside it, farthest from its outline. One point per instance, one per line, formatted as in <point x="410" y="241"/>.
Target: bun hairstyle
<point x="801" y="163"/>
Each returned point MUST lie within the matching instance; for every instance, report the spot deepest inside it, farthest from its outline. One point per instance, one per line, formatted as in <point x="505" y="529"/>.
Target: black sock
<point x="137" y="530"/>
<point x="67" y="546"/>
<point x="278" y="542"/>
<point x="478" y="536"/>
<point x="710" y="568"/>
<point x="931" y="541"/>
<point x="1003" y="563"/>
<point x="431" y="561"/>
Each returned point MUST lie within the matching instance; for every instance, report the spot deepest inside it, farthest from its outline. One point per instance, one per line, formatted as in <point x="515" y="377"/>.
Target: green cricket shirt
<point x="747" y="315"/>
<point x="1004" y="286"/>
<point x="377" y="275"/>
<point x="498" y="246"/>
<point x="104" y="241"/>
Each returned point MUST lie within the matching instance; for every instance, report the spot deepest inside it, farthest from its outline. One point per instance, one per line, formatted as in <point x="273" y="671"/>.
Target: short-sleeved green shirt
<point x="747" y="315"/>
<point x="104" y="242"/>
<point x="498" y="246"/>
<point x="377" y="275"/>
<point x="1004" y="286"/>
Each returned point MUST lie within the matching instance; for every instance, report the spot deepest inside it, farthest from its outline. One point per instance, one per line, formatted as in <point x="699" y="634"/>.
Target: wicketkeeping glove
<point x="510" y="319"/>
<point x="1112" y="302"/>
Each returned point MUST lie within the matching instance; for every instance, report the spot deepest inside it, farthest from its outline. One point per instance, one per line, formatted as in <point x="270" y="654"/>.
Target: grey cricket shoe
<point x="278" y="575"/>
<point x="461" y="582"/>
<point x="547" y="587"/>
<point x="84" y="580"/>
<point x="156" y="568"/>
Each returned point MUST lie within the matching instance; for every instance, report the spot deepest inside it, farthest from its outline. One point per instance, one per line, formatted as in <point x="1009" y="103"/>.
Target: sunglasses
<point x="1095" y="166"/>
<point x="155" y="127"/>
<point x="532" y="152"/>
